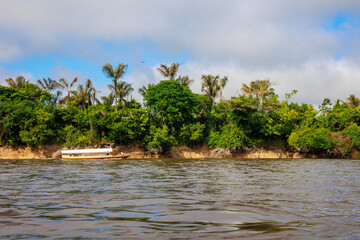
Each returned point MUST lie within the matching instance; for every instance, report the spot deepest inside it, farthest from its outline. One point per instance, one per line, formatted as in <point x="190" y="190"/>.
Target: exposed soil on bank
<point x="182" y="152"/>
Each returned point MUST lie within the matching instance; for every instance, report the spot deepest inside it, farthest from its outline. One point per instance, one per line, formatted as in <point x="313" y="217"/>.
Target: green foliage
<point x="36" y="130"/>
<point x="160" y="138"/>
<point x="118" y="133"/>
<point x="311" y="138"/>
<point x="74" y="136"/>
<point x="282" y="121"/>
<point x="173" y="115"/>
<point x="339" y="117"/>
<point x="23" y="118"/>
<point x="13" y="115"/>
<point x="342" y="142"/>
<point x="353" y="131"/>
<point x="127" y="126"/>
<point x="192" y="133"/>
<point x="172" y="103"/>
<point x="231" y="137"/>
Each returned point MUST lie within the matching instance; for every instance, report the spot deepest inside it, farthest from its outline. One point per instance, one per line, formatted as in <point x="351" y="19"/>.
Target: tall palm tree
<point x="19" y="82"/>
<point x="114" y="74"/>
<point x="108" y="100"/>
<point x="260" y="89"/>
<point x="47" y="84"/>
<point x="64" y="84"/>
<point x="143" y="90"/>
<point x="211" y="86"/>
<point x="123" y="91"/>
<point x="169" y="72"/>
<point x="185" y="81"/>
<point x="222" y="84"/>
<point x="56" y="97"/>
<point x="83" y="94"/>
<point x="93" y="99"/>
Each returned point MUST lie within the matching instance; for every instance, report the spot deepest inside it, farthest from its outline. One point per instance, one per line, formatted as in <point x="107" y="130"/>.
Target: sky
<point x="311" y="46"/>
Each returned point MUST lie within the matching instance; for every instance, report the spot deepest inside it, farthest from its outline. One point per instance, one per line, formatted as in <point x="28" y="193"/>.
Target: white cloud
<point x="255" y="32"/>
<point x="286" y="41"/>
<point x="4" y="74"/>
<point x="314" y="80"/>
<point x="8" y="51"/>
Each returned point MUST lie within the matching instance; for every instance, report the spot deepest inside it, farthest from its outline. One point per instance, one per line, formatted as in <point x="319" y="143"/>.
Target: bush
<point x="353" y="131"/>
<point x="160" y="138"/>
<point x="342" y="142"/>
<point x="192" y="133"/>
<point x="231" y="137"/>
<point x="36" y="129"/>
<point x="311" y="138"/>
<point x="118" y="133"/>
<point x="74" y="136"/>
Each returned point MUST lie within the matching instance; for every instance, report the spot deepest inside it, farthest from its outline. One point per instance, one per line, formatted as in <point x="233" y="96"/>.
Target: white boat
<point x="96" y="153"/>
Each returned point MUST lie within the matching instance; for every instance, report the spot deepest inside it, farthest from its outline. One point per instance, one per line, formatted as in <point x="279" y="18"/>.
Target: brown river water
<point x="180" y="199"/>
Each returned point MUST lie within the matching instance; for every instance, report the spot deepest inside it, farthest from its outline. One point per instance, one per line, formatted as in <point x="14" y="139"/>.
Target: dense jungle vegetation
<point x="53" y="111"/>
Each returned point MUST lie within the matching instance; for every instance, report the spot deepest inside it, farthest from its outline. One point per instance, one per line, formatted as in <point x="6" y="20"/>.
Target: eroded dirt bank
<point x="137" y="152"/>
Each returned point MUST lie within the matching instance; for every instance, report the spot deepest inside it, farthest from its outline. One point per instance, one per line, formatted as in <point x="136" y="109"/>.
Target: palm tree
<point x="265" y="89"/>
<point x="169" y="72"/>
<point x="185" y="81"/>
<point x="64" y="84"/>
<point x="211" y="86"/>
<point x="56" y="97"/>
<point x="108" y="100"/>
<point x="223" y="83"/>
<point x="83" y="94"/>
<point x="123" y="91"/>
<point x="93" y="99"/>
<point x="352" y="101"/>
<point x="19" y="82"/>
<point x="114" y="74"/>
<point x="143" y="90"/>
<point x="260" y="89"/>
<point x="47" y="84"/>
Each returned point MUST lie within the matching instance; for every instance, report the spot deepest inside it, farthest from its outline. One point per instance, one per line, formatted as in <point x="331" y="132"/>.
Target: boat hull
<point x="96" y="157"/>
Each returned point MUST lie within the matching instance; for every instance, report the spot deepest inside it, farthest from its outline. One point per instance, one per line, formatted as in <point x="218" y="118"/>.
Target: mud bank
<point x="138" y="152"/>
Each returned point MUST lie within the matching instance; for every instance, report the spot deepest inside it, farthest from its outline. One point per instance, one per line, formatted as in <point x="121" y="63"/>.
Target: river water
<point x="180" y="199"/>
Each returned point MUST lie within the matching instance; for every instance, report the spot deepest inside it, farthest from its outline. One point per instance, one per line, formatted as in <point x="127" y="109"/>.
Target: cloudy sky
<point x="311" y="46"/>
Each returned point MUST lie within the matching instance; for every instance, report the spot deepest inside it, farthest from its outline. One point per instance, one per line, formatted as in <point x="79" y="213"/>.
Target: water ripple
<point x="180" y="199"/>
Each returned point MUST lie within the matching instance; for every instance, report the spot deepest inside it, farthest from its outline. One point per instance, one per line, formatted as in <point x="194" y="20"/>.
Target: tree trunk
<point x="2" y="131"/>
<point x="115" y="93"/>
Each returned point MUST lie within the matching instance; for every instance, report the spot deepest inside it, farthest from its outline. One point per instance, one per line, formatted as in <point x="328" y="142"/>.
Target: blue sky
<point x="311" y="46"/>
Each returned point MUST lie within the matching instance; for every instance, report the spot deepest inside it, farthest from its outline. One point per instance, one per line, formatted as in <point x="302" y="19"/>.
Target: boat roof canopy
<point x="80" y="151"/>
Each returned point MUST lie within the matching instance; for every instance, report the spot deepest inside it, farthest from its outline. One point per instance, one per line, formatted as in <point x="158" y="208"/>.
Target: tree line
<point x="53" y="111"/>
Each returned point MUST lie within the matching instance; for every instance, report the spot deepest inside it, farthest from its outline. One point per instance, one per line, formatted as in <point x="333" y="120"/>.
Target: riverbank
<point x="182" y="152"/>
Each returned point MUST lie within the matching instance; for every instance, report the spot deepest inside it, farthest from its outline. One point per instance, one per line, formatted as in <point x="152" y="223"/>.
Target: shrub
<point x="231" y="137"/>
<point x="311" y="138"/>
<point x="74" y="136"/>
<point x="160" y="138"/>
<point x="118" y="132"/>
<point x="353" y="131"/>
<point x="192" y="133"/>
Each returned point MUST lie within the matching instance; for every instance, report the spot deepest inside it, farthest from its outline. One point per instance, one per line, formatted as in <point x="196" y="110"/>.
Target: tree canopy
<point x="172" y="114"/>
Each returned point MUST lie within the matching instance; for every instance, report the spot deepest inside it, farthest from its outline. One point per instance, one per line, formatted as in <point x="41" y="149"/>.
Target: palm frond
<point x="73" y="81"/>
<point x="108" y="70"/>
